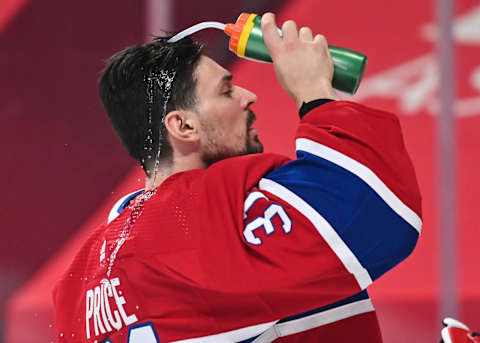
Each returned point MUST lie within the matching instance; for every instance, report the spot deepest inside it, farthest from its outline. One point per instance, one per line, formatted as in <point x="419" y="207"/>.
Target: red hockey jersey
<point x="255" y="248"/>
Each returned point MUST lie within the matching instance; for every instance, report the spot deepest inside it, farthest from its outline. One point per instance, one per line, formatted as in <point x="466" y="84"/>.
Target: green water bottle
<point x="246" y="41"/>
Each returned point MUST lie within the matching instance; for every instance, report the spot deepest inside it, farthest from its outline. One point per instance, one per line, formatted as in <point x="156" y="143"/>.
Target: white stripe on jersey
<point x="364" y="173"/>
<point x="237" y="335"/>
<point x="315" y="320"/>
<point x="268" y="332"/>
<point x="348" y="258"/>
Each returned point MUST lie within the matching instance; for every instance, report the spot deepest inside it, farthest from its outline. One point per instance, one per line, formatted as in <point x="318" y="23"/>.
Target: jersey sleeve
<point x="261" y="244"/>
<point x="352" y="188"/>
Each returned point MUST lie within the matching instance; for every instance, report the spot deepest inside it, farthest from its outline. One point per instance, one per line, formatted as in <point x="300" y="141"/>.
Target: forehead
<point x="209" y="74"/>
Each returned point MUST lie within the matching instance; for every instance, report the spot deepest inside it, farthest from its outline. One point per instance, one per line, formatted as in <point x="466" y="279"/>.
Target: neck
<point x="179" y="164"/>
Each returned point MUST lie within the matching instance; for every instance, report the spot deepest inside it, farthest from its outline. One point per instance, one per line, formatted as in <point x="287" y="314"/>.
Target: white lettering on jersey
<point x="250" y="200"/>
<point x="89" y="310"/>
<point x="107" y="292"/>
<point x="97" y="323"/>
<point x="266" y="223"/>
<point x="120" y="302"/>
<point x="99" y="311"/>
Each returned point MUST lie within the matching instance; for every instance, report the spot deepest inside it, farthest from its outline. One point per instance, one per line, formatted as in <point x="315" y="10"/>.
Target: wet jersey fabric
<point x="255" y="248"/>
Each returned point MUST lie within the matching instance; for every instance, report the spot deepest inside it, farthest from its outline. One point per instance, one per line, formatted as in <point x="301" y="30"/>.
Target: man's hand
<point x="302" y="62"/>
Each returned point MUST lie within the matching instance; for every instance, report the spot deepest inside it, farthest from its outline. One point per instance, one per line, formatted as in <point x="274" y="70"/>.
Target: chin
<point x="254" y="146"/>
<point x="217" y="153"/>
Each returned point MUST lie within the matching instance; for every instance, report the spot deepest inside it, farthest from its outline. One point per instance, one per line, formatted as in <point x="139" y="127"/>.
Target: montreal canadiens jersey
<point x="255" y="248"/>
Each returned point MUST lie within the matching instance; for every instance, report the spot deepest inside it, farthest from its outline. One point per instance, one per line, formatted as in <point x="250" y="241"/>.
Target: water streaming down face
<point x="164" y="79"/>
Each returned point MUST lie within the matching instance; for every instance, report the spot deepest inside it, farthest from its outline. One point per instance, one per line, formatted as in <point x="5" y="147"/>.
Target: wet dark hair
<point x="123" y="90"/>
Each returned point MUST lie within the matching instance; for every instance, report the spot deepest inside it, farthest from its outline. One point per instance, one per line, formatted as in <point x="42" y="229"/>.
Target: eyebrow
<point x="226" y="78"/>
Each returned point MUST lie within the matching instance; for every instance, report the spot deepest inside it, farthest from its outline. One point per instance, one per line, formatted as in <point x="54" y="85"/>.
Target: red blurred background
<point x="64" y="167"/>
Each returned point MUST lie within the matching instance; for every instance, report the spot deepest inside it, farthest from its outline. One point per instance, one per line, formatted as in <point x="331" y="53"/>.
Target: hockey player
<point x="227" y="244"/>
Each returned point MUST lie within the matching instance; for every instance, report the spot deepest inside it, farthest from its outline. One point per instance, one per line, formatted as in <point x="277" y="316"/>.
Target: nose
<point x="247" y="98"/>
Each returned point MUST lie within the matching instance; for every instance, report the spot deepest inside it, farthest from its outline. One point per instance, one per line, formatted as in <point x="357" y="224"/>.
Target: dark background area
<point x="61" y="157"/>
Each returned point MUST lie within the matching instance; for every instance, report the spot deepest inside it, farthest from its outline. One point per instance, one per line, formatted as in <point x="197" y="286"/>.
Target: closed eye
<point x="226" y="86"/>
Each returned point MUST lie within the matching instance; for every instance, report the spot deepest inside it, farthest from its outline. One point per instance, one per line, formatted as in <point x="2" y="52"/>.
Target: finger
<point x="320" y="39"/>
<point x="305" y="34"/>
<point x="290" y="32"/>
<point x="271" y="37"/>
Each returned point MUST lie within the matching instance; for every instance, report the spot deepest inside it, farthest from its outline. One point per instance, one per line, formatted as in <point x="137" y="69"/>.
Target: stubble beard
<point x="214" y="151"/>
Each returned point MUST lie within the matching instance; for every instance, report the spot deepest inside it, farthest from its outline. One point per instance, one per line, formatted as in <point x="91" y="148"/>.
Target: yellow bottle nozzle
<point x="239" y="33"/>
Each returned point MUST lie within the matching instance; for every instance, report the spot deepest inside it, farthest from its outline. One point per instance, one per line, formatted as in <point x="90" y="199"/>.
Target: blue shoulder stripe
<point x="377" y="236"/>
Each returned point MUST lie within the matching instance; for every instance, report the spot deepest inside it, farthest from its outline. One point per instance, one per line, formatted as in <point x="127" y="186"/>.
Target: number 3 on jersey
<point x="264" y="221"/>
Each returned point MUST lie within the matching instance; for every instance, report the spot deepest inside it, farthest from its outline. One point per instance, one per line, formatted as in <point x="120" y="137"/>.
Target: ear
<point x="182" y="125"/>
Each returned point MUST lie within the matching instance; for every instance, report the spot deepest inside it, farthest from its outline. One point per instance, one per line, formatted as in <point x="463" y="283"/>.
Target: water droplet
<point x="120" y="292"/>
<point x="61" y="334"/>
<point x="73" y="335"/>
<point x="70" y="275"/>
<point x="137" y="307"/>
<point x="50" y="325"/>
<point x="137" y="210"/>
<point x="138" y="180"/>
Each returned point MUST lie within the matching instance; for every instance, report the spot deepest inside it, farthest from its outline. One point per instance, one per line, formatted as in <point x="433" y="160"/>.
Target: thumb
<point x="271" y="37"/>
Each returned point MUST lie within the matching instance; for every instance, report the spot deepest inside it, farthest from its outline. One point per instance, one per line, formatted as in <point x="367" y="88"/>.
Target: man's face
<point x="224" y="113"/>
